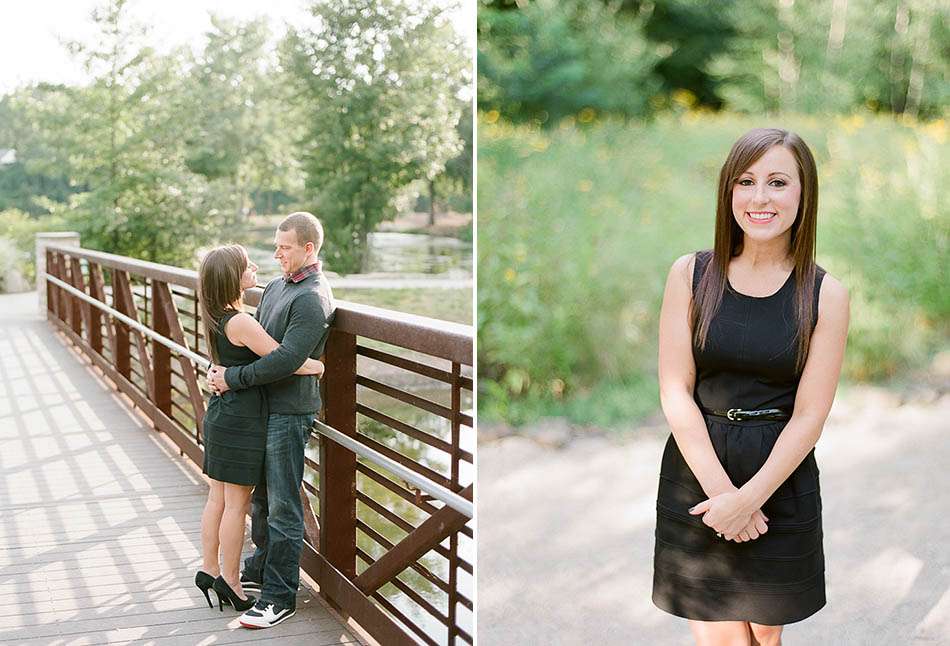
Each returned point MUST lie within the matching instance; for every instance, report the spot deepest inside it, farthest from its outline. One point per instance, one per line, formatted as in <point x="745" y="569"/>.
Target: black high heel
<point x="204" y="581"/>
<point x="227" y="596"/>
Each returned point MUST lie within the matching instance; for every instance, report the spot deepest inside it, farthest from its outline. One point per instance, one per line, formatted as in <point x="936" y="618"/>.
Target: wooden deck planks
<point x="99" y="515"/>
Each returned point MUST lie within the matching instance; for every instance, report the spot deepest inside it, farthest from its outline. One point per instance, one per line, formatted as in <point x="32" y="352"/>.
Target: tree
<point x="241" y="140"/>
<point x="457" y="178"/>
<point x="836" y="56"/>
<point x="378" y="82"/>
<point x="552" y="59"/>
<point x="122" y="138"/>
<point x="35" y="176"/>
<point x="687" y="36"/>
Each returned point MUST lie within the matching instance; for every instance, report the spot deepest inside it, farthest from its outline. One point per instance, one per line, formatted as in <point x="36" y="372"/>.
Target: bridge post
<point x="68" y="238"/>
<point x="59" y="294"/>
<point x="49" y="294"/>
<point x="80" y="308"/>
<point x="95" y="316"/>
<point x="337" y="463"/>
<point x="121" y="339"/>
<point x="161" y="355"/>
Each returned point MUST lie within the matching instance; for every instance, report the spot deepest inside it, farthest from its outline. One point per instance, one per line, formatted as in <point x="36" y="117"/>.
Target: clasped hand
<point x="216" y="381"/>
<point x="727" y="515"/>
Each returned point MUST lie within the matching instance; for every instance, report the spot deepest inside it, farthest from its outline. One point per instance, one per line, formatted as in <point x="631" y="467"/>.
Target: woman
<point x="235" y="423"/>
<point x="752" y="336"/>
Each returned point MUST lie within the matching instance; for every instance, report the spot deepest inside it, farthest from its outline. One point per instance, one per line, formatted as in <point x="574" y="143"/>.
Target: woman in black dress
<point x="235" y="425"/>
<point x="752" y="337"/>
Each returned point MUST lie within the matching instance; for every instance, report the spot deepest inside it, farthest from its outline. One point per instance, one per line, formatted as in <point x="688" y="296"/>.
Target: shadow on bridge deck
<point x="99" y="515"/>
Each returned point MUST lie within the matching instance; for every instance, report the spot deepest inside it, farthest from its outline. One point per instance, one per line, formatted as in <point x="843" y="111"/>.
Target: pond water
<point x="391" y="255"/>
<point x="416" y="253"/>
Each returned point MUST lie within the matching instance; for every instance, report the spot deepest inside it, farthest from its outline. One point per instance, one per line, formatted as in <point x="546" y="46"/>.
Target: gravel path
<point x="565" y="544"/>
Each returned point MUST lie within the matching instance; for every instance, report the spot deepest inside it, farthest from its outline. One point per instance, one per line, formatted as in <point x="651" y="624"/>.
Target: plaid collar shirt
<point x="303" y="272"/>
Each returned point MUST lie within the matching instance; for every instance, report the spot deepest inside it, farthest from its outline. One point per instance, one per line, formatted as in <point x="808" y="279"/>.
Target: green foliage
<point x="445" y="304"/>
<point x="384" y="75"/>
<point x="887" y="234"/>
<point x="19" y="229"/>
<point x="121" y="140"/>
<point x="605" y="405"/>
<point x="554" y="59"/>
<point x="537" y="57"/>
<point x="240" y="136"/>
<point x="454" y="184"/>
<point x="832" y="57"/>
<point x="578" y="229"/>
<point x="10" y="264"/>
<point x="19" y="188"/>
<point x="31" y="176"/>
<point x="687" y="36"/>
<point x="159" y="155"/>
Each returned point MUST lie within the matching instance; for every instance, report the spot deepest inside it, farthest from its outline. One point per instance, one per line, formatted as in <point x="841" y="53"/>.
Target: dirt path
<point x="566" y="535"/>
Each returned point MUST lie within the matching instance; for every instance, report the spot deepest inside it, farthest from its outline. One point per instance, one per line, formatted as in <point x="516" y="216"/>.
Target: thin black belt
<point x="738" y="414"/>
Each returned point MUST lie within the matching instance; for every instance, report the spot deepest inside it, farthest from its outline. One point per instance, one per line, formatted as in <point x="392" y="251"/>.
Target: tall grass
<point x="578" y="226"/>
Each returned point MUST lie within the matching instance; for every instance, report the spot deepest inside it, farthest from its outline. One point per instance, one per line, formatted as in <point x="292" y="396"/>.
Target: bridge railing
<point x="389" y="472"/>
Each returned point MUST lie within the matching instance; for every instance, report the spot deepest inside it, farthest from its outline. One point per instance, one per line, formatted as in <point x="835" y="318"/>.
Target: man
<point x="296" y="310"/>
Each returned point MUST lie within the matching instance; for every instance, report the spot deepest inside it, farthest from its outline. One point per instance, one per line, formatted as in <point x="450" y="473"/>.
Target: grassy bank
<point x="447" y="304"/>
<point x="578" y="227"/>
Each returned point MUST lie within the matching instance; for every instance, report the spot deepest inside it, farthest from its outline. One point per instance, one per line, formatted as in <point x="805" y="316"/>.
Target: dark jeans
<point x="276" y="511"/>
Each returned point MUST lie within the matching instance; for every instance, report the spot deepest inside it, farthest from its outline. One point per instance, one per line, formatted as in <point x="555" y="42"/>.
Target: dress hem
<point x="686" y="615"/>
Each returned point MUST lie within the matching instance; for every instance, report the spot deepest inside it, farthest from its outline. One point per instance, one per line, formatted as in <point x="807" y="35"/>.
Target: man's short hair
<point x="307" y="228"/>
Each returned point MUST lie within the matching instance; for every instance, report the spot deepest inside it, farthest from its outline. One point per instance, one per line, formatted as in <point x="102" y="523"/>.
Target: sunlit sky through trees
<point x="32" y="33"/>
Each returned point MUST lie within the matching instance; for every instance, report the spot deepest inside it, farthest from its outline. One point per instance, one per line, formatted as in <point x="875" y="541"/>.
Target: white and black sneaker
<point x="250" y="585"/>
<point x="265" y="614"/>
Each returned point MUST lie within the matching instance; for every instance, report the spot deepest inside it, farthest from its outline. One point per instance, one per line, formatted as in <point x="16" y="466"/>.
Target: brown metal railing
<point x="392" y="557"/>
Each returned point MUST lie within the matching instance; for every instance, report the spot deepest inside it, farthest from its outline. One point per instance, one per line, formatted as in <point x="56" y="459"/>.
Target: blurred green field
<point x="578" y="226"/>
<point x="447" y="304"/>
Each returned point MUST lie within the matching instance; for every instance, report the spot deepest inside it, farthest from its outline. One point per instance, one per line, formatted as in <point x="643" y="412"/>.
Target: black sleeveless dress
<point x="235" y="426"/>
<point x="778" y="578"/>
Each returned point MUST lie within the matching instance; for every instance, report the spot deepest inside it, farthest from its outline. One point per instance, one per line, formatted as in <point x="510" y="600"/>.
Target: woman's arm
<point x="677" y="375"/>
<point x="816" y="392"/>
<point x="244" y="330"/>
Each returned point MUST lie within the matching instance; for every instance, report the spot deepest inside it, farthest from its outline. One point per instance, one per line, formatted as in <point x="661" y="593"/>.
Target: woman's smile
<point x="761" y="217"/>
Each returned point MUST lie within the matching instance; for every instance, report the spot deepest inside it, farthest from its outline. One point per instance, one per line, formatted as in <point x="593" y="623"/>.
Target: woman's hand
<point x="216" y="382"/>
<point x="312" y="367"/>
<point x="756" y="527"/>
<point x="725" y="513"/>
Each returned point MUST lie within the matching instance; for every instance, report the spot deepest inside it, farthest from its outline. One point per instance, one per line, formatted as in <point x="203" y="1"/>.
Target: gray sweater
<point x="298" y="316"/>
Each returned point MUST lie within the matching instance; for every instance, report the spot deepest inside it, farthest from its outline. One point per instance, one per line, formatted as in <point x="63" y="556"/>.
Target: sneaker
<point x="265" y="614"/>
<point x="250" y="585"/>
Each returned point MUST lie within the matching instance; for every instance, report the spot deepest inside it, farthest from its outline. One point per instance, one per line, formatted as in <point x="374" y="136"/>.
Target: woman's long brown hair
<point x="728" y="244"/>
<point x="219" y="287"/>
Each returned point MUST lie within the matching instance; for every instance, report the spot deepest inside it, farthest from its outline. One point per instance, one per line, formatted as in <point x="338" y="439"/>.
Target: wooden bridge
<point x="101" y="493"/>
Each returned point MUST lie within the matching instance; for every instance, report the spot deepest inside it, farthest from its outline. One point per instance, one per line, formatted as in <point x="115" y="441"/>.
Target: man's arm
<point x="307" y="326"/>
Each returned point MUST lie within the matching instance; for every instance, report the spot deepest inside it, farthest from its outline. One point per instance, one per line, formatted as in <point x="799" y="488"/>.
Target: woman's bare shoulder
<point x="242" y="318"/>
<point x="682" y="267"/>
<point x="833" y="297"/>
<point x="239" y="325"/>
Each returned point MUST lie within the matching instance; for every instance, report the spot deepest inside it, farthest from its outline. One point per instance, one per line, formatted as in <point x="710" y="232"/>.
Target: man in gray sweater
<point x="296" y="310"/>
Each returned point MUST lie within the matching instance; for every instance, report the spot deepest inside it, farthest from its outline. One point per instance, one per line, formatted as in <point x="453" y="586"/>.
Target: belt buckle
<point x="731" y="414"/>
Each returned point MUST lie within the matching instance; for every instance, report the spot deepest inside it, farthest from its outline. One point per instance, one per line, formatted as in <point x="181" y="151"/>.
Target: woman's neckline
<point x="759" y="298"/>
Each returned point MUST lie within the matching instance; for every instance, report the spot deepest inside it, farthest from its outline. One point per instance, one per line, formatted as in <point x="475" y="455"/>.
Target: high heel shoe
<point x="204" y="581"/>
<point x="227" y="596"/>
